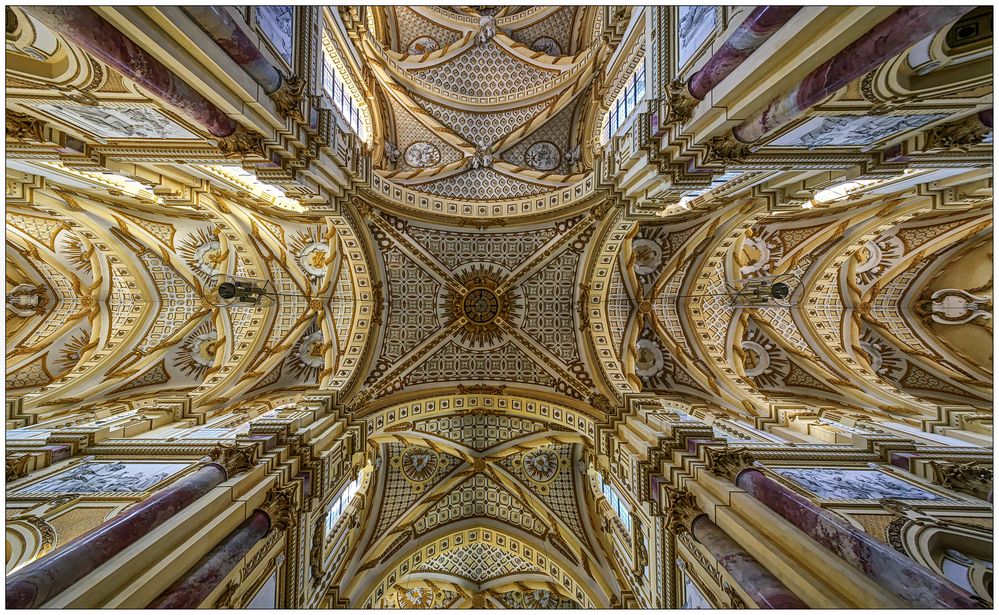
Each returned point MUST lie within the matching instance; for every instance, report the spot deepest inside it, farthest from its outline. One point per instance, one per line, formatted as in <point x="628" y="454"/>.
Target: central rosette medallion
<point x="483" y="303"/>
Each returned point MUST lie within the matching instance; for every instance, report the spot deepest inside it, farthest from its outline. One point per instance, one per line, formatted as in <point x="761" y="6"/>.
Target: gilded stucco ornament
<point x="417" y="464"/>
<point x="27" y="300"/>
<point x="541" y="466"/>
<point x="487" y="29"/>
<point x="227" y="599"/>
<point x="419" y="597"/>
<point x="481" y="159"/>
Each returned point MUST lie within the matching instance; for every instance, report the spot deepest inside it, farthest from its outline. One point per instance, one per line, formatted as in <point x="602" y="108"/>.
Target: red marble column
<point x="763" y="587"/>
<point x="901" y="30"/>
<point x="227" y="34"/>
<point x="190" y="590"/>
<point x="985" y="117"/>
<point x="915" y="584"/>
<point x="93" y="33"/>
<point x="51" y="574"/>
<point x="755" y="30"/>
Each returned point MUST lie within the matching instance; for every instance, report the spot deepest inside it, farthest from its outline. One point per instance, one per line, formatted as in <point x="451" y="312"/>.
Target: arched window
<point x="625" y="103"/>
<point x="616" y="501"/>
<point x="340" y="504"/>
<point x="341" y="95"/>
<point x="968" y="571"/>
<point x="958" y="551"/>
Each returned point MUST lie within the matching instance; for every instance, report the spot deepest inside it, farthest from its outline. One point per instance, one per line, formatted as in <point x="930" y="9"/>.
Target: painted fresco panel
<point x="850" y="130"/>
<point x="845" y="484"/>
<point x="106" y="477"/>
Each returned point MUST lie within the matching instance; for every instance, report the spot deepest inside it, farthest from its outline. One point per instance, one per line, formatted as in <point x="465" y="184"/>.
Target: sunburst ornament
<point x="308" y="357"/>
<point x="541" y="466"/>
<point x="196" y="354"/>
<point x="541" y="599"/>
<point x="202" y="252"/>
<point x="420" y="597"/>
<point x="482" y="305"/>
<point x="418" y="465"/>
<point x="312" y="252"/>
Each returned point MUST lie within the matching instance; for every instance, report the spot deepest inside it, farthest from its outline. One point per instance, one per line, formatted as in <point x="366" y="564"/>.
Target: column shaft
<point x="901" y="30"/>
<point x="55" y="572"/>
<point x="751" y="576"/>
<point x="227" y="34"/>
<point x="97" y="36"/>
<point x="755" y="30"/>
<point x="190" y="590"/>
<point x="915" y="584"/>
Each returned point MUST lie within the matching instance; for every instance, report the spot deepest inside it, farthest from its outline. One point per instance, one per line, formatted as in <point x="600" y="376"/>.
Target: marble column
<point x="985" y="117"/>
<point x="913" y="583"/>
<point x="227" y="34"/>
<point x="763" y="587"/>
<point x="189" y="591"/>
<point x="278" y="512"/>
<point x="901" y="30"/>
<point x="84" y="27"/>
<point x="755" y="30"/>
<point x="683" y="515"/>
<point x="48" y="576"/>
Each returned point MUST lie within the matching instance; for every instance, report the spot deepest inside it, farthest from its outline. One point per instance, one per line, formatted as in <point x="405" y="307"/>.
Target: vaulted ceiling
<point x="476" y="289"/>
<point x="488" y="113"/>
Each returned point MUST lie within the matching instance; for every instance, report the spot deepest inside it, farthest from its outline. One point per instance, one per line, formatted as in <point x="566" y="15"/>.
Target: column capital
<point x="281" y="506"/>
<point x="16" y="466"/>
<point x="679" y="103"/>
<point x="242" y="142"/>
<point x="972" y="477"/>
<point x="233" y="458"/>
<point x="681" y="510"/>
<point x="728" y="462"/>
<point x="23" y="127"/>
<point x="289" y="96"/>
<point x="726" y="150"/>
<point x="956" y="135"/>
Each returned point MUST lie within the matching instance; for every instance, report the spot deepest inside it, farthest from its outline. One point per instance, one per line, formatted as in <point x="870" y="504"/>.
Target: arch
<point x="27" y="539"/>
<point x="960" y="552"/>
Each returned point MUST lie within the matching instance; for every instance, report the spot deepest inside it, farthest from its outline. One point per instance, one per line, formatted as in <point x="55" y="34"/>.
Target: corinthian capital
<point x="234" y="458"/>
<point x="728" y="462"/>
<point x="972" y="477"/>
<point x="726" y="150"/>
<point x="24" y="127"/>
<point x="957" y="135"/>
<point x="288" y="97"/>
<point x="281" y="507"/>
<point x="242" y="142"/>
<point x="681" y="510"/>
<point x="679" y="103"/>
